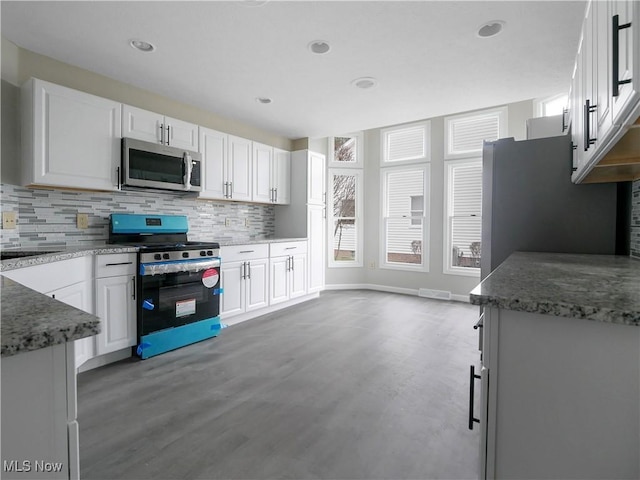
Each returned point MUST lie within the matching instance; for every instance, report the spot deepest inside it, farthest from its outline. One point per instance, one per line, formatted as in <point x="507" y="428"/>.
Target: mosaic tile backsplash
<point x="48" y="217"/>
<point x="635" y="220"/>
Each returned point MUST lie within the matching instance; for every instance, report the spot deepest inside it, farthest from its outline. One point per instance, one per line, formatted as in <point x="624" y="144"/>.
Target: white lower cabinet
<point x="245" y="280"/>
<point x="288" y="271"/>
<point x="116" y="301"/>
<point x="79" y="295"/>
<point x="560" y="397"/>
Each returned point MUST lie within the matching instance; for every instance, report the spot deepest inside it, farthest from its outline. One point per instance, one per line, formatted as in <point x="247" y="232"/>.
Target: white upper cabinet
<point x="605" y="91"/>
<point x="271" y="174"/>
<point x="262" y="173"/>
<point x="240" y="165"/>
<point x="157" y="128"/>
<point x="213" y="147"/>
<point x="281" y="176"/>
<point x="227" y="166"/>
<point x="626" y="16"/>
<point x="70" y="138"/>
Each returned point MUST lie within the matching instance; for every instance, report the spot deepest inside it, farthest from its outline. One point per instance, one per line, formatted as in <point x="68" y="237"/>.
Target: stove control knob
<point x="210" y="253"/>
<point x="185" y="254"/>
<point x="165" y="256"/>
<point x="157" y="256"/>
<point x="203" y="253"/>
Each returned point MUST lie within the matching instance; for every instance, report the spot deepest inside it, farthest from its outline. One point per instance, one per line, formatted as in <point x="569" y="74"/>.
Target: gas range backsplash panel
<point x="47" y="217"/>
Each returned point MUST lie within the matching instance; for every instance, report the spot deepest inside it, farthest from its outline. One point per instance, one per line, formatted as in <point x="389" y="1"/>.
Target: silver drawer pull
<point x="290" y="248"/>
<point x="247" y="251"/>
<point x="116" y="264"/>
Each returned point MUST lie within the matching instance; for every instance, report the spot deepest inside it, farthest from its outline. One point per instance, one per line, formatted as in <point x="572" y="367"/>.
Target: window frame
<point x="423" y="267"/>
<point x="500" y="112"/>
<point x="448" y="268"/>
<point x="540" y="104"/>
<point x="359" y="209"/>
<point x="358" y="163"/>
<point x="384" y="143"/>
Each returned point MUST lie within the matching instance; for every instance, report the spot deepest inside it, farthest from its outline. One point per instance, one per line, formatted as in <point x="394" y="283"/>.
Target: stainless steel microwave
<point x="149" y="165"/>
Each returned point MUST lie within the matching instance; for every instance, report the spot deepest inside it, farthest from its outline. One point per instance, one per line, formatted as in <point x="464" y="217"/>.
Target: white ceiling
<point x="220" y="56"/>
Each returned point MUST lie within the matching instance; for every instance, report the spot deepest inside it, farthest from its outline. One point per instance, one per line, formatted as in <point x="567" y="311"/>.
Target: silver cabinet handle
<point x="275" y="194"/>
<point x="249" y="274"/>
<point x="162" y="133"/>
<point x="244" y="269"/>
<point x="247" y="251"/>
<point x="133" y="286"/>
<point x="168" y="134"/>
<point x="292" y="265"/>
<point x="230" y="189"/>
<point x="116" y="264"/>
<point x="290" y="248"/>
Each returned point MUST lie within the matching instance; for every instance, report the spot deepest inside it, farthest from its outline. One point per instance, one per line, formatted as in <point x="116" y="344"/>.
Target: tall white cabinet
<point x="305" y="216"/>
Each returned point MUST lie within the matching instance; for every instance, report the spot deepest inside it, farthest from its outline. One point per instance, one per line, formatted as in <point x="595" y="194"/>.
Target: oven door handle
<point x="161" y="268"/>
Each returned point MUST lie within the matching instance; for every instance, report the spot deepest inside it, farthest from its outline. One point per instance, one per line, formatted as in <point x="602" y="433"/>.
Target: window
<point x="463" y="230"/>
<point x="550" y="106"/>
<point x="347" y="150"/>
<point x="404" y="144"/>
<point x="465" y="134"/>
<point x="345" y="214"/>
<point x="405" y="226"/>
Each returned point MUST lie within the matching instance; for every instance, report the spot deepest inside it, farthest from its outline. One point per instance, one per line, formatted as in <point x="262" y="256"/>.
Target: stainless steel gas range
<point x="178" y="281"/>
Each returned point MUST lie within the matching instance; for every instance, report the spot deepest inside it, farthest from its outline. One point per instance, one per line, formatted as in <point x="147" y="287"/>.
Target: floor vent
<point x="439" y="294"/>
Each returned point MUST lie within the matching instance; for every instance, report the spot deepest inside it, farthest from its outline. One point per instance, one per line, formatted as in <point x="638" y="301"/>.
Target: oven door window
<point x="175" y="299"/>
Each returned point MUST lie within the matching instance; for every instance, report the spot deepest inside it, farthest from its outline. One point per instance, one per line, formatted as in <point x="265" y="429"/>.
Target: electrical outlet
<point x="8" y="220"/>
<point x="82" y="220"/>
<point x="227" y="222"/>
<point x="246" y="222"/>
<point x="372" y="264"/>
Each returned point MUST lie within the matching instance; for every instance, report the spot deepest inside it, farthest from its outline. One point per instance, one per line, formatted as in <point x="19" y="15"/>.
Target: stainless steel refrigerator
<point x="530" y="204"/>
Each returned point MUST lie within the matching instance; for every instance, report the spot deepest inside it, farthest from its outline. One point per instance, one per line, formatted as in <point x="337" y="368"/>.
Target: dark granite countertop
<point x="31" y="320"/>
<point x="602" y="288"/>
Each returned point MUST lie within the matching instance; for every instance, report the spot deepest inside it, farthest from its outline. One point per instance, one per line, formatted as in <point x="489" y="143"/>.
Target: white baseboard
<point x="234" y="320"/>
<point x="385" y="288"/>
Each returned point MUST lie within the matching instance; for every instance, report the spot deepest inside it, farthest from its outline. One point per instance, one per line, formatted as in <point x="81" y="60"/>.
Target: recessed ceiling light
<point x="319" y="47"/>
<point x="365" y="83"/>
<point x="491" y="29"/>
<point x="263" y="100"/>
<point x="142" y="46"/>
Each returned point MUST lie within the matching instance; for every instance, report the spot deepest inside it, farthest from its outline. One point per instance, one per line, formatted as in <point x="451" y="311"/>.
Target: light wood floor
<point x="353" y="385"/>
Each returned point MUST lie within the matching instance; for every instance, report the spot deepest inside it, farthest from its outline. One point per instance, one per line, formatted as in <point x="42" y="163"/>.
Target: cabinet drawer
<point x="244" y="252"/>
<point x="288" y="248"/>
<point x="113" y="264"/>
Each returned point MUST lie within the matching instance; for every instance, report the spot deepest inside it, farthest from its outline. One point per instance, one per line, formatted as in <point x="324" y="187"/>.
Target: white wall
<point x="518" y="113"/>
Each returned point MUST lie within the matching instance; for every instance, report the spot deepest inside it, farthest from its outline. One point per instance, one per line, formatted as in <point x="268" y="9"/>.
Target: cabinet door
<point x="628" y="61"/>
<point x="281" y="176"/>
<point x="602" y="78"/>
<point x="239" y="168"/>
<point x="589" y="75"/>
<point x="213" y="147"/>
<point x="298" y="276"/>
<point x="262" y="172"/>
<point x="71" y="138"/>
<point x="279" y="279"/>
<point x="316" y="179"/>
<point x="142" y="124"/>
<point x="79" y="296"/>
<point x="181" y="134"/>
<point x="317" y="247"/>
<point x="257" y="284"/>
<point x="116" y="307"/>
<point x="232" y="300"/>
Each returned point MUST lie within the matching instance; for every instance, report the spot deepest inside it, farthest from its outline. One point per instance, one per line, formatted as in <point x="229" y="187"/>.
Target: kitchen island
<point x="560" y="367"/>
<point x="39" y="410"/>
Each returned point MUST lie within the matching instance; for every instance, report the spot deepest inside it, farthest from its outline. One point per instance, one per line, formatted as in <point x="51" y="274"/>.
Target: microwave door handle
<point x="188" y="168"/>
